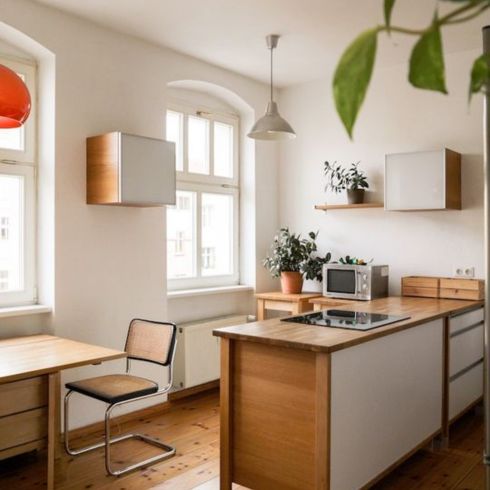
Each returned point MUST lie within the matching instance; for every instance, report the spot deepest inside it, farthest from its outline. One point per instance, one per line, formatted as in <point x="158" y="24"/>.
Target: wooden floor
<point x="192" y="425"/>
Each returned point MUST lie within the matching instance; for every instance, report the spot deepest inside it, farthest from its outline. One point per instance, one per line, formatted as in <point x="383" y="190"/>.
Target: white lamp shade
<point x="271" y="126"/>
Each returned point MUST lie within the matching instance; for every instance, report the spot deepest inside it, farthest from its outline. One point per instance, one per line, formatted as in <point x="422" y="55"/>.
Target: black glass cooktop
<point x="352" y="320"/>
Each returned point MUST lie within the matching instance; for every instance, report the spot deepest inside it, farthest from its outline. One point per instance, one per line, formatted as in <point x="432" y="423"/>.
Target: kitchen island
<point x="307" y="407"/>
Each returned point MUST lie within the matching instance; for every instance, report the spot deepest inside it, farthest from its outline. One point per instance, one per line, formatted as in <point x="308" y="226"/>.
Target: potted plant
<point x="292" y="257"/>
<point x="353" y="180"/>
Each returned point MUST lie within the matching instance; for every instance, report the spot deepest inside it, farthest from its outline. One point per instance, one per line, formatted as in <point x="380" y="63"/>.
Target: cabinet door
<point x="415" y="181"/>
<point x="147" y="170"/>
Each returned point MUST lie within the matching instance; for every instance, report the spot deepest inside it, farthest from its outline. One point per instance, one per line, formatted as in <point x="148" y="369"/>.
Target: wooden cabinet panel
<point x="22" y="428"/>
<point x="20" y="396"/>
<point x="130" y="170"/>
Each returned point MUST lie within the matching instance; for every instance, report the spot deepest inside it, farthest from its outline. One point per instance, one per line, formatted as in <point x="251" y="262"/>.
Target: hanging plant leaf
<point x="427" y="62"/>
<point x="352" y="77"/>
<point x="388" y="9"/>
<point x="480" y="75"/>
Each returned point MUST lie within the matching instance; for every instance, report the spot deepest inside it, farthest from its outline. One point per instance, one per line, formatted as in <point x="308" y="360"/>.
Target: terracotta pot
<point x="355" y="196"/>
<point x="291" y="282"/>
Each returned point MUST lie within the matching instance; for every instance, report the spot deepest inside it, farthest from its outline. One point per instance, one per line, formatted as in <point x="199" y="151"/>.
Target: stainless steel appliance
<point x="351" y="320"/>
<point x="360" y="282"/>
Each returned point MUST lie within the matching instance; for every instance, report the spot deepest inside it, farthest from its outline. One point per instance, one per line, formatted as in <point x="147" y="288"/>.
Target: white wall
<point x="109" y="263"/>
<point x="395" y="118"/>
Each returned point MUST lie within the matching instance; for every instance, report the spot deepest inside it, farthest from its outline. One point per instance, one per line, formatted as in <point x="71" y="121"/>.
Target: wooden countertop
<point x="310" y="337"/>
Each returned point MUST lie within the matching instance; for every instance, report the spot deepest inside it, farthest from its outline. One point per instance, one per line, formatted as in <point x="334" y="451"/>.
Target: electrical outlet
<point x="466" y="272"/>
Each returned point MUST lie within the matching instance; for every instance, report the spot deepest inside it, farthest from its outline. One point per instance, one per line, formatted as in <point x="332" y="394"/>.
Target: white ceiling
<point x="230" y="33"/>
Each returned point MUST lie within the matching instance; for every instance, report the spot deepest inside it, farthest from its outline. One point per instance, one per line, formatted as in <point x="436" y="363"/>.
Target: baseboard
<point x="172" y="400"/>
<point x="177" y="395"/>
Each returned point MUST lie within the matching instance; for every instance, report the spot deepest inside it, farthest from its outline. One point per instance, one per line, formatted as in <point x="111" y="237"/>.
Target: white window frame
<point x="23" y="163"/>
<point x="199" y="183"/>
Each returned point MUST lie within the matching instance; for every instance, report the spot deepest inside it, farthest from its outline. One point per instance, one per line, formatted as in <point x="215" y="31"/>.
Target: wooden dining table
<point x="30" y="393"/>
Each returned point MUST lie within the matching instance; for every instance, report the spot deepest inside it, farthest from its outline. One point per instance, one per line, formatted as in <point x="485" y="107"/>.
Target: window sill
<point x="187" y="293"/>
<point x="11" y="311"/>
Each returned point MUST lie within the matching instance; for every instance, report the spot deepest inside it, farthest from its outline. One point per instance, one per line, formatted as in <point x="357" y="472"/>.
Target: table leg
<point x="260" y="309"/>
<point x="53" y="425"/>
<point x="296" y="308"/>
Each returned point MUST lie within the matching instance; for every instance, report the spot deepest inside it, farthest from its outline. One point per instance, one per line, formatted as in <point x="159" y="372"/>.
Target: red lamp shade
<point x="15" y="100"/>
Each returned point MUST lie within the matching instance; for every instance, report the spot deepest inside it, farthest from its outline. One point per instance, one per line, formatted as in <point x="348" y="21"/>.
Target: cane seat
<point x="114" y="388"/>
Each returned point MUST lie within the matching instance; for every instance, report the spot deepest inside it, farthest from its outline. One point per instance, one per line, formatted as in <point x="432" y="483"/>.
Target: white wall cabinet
<point x="426" y="180"/>
<point x="129" y="170"/>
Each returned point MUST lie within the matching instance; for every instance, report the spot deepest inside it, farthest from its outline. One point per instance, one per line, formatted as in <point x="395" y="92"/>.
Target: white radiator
<point x="197" y="357"/>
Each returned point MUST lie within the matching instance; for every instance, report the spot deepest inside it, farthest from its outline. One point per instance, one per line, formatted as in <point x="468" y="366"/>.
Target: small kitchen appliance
<point x="359" y="282"/>
<point x="351" y="320"/>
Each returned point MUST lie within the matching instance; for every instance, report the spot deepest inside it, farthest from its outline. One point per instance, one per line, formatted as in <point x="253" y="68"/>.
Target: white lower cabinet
<point x="465" y="390"/>
<point x="386" y="400"/>
<point x="466" y="337"/>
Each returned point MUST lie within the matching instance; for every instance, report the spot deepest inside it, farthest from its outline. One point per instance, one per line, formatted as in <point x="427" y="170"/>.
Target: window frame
<point x="23" y="163"/>
<point x="200" y="183"/>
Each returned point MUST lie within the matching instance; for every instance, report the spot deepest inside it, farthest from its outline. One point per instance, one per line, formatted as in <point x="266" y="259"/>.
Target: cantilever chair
<point x="146" y="341"/>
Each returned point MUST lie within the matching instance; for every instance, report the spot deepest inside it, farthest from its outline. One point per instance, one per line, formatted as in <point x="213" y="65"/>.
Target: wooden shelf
<point x="324" y="207"/>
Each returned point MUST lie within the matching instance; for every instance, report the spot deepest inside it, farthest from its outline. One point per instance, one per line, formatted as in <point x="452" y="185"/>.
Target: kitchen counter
<point x="306" y="407"/>
<point x="309" y="337"/>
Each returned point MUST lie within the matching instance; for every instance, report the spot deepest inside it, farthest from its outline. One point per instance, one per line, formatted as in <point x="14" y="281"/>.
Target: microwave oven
<point x="359" y="282"/>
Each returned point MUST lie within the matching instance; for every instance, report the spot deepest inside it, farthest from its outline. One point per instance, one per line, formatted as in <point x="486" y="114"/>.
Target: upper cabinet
<point x="128" y="170"/>
<point x="426" y="180"/>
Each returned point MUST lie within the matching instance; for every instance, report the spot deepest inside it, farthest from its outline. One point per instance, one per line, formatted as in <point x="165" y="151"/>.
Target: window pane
<point x="13" y="138"/>
<point x="217" y="234"/>
<point x="181" y="237"/>
<point x="223" y="150"/>
<point x="198" y="145"/>
<point x="11" y="232"/>
<point x="175" y="130"/>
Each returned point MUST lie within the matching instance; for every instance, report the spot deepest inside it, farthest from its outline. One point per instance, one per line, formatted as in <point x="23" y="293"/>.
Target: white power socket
<point x="466" y="272"/>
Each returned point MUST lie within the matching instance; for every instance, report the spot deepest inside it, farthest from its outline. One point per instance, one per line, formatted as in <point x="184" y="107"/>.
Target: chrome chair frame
<point x="169" y="450"/>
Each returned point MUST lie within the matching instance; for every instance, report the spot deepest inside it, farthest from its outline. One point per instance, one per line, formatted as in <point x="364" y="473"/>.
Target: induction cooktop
<point x="352" y="320"/>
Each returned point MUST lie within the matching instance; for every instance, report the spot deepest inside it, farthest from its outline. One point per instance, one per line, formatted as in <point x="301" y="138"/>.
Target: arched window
<point x="202" y="228"/>
<point x="18" y="201"/>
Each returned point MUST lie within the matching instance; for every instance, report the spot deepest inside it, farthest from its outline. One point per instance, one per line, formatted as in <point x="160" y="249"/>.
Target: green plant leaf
<point x="427" y="62"/>
<point x="352" y="76"/>
<point x="480" y="74"/>
<point x="388" y="9"/>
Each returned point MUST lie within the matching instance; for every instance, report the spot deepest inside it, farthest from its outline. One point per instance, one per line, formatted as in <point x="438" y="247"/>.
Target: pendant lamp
<point x="272" y="126"/>
<point x="15" y="100"/>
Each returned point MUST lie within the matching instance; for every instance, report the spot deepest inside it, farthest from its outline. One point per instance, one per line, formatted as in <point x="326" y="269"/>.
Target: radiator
<point x="197" y="357"/>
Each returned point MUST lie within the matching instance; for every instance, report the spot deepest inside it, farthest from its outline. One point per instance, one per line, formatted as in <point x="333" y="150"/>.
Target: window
<point x="202" y="228"/>
<point x="17" y="203"/>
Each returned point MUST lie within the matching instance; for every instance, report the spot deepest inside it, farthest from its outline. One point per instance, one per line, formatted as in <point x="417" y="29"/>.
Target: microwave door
<point x="341" y="283"/>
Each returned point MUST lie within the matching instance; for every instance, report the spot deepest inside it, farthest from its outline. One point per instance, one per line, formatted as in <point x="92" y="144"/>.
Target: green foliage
<point x="426" y="66"/>
<point x="353" y="260"/>
<point x="292" y="253"/>
<point x="388" y="9"/>
<point x="340" y="178"/>
<point x="352" y="77"/>
<point x="480" y="74"/>
<point x="427" y="62"/>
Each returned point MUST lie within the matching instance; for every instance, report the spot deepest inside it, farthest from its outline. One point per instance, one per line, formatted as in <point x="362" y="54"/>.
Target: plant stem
<point x="470" y="16"/>
<point x="446" y="20"/>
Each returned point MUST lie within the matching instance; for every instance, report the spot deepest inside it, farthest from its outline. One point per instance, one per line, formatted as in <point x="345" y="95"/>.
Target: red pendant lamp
<point x="15" y="100"/>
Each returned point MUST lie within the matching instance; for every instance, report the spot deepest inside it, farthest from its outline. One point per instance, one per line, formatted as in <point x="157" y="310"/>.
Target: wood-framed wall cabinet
<point x="423" y="181"/>
<point x="129" y="170"/>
